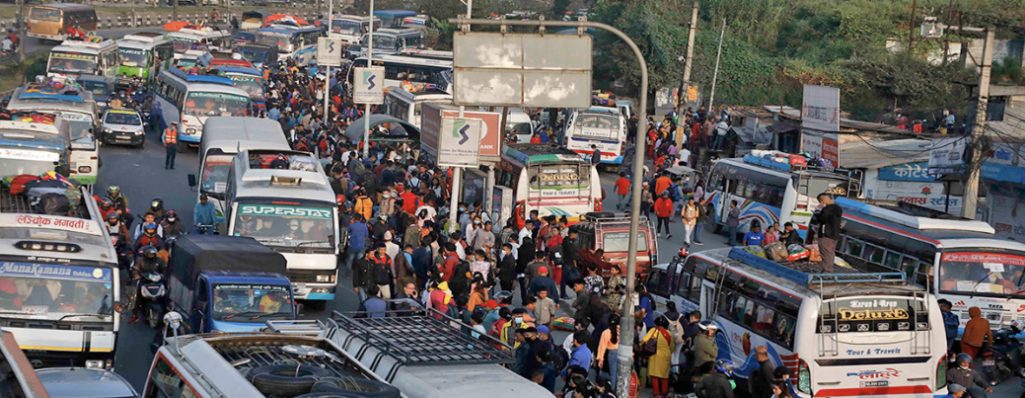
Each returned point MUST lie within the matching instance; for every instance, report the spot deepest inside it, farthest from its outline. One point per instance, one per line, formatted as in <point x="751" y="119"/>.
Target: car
<point x="122" y="126"/>
<point x="102" y="88"/>
<point x="81" y="382"/>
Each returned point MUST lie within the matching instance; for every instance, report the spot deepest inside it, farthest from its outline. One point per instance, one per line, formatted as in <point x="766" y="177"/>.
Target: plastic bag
<point x="756" y="250"/>
<point x="776" y="251"/>
<point x="814" y="255"/>
<point x="796" y="252"/>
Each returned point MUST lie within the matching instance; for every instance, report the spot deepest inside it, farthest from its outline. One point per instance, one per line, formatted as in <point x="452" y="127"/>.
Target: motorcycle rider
<point x="116" y="227"/>
<point x="172" y="225"/>
<point x="147" y="219"/>
<point x="156" y="206"/>
<point x="204" y="214"/>
<point x="149" y="262"/>
<point x="149" y="237"/>
<point x="119" y="200"/>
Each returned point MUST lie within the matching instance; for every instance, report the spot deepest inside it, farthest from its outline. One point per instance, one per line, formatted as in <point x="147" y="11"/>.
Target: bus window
<point x="853" y="247"/>
<point x="656" y="282"/>
<point x="45" y="14"/>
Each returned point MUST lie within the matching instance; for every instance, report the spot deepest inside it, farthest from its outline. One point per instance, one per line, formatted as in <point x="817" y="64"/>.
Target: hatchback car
<point x="123" y="126"/>
<point x="80" y="382"/>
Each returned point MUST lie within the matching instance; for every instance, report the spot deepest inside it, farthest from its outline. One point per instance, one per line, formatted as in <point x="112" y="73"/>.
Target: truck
<point x="228" y="284"/>
<point x="257" y="365"/>
<point x="609" y="231"/>
<point x="422" y="352"/>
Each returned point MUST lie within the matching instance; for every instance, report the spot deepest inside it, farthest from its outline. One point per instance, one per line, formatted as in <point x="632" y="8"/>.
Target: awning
<point x="783" y="126"/>
<point x="398" y="129"/>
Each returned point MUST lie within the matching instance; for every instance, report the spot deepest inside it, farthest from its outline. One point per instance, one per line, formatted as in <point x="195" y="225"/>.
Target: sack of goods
<point x="756" y="250"/>
<point x="776" y="251"/>
<point x="813" y="253"/>
<point x="797" y="252"/>
<point x="564" y="323"/>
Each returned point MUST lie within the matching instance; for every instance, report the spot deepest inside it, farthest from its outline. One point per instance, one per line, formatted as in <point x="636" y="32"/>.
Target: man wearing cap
<point x="543" y="280"/>
<point x="171" y="144"/>
<point x="955" y="391"/>
<point x="705" y="349"/>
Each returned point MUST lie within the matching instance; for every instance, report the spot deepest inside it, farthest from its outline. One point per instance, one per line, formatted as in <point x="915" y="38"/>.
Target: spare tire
<point x="363" y="388"/>
<point x="287" y="380"/>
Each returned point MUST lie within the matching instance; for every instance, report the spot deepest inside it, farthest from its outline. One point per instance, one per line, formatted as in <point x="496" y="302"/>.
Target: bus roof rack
<point x="808" y="274"/>
<point x="210" y="79"/>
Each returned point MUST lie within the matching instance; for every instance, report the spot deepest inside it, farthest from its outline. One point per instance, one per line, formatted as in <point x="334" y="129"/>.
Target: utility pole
<point x="911" y="29"/>
<point x="370" y="63"/>
<point x="971" y="184"/>
<point x="457" y="172"/>
<point x="715" y="74"/>
<point x="327" y="68"/>
<point x="21" y="31"/>
<point x="174" y="10"/>
<point x="686" y="86"/>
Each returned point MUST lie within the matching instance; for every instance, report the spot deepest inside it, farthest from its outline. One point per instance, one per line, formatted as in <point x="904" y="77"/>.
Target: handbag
<point x="648" y="348"/>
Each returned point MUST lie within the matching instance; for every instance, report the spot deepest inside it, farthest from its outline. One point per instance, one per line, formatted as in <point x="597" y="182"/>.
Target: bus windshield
<point x="65" y="62"/>
<point x="595" y="125"/>
<point x="215" y="173"/>
<point x="254" y="54"/>
<point x="183" y="44"/>
<point x="282" y="42"/>
<point x="133" y="56"/>
<point x="243" y="302"/>
<point x="559" y="180"/>
<point x="250" y="84"/>
<point x="346" y="27"/>
<point x="286" y="225"/>
<point x="975" y="272"/>
<point x="380" y="42"/>
<point x="616" y="242"/>
<point x="45" y="14"/>
<point x="99" y="89"/>
<point x="216" y="104"/>
<point x="49" y="291"/>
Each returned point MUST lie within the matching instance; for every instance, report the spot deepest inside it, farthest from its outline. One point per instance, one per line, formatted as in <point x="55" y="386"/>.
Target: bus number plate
<point x="875" y="383"/>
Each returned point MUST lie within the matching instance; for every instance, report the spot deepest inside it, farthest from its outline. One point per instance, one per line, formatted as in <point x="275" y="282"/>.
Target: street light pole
<point x="327" y="68"/>
<point x="370" y="63"/>
<point x="715" y="74"/>
<point x="21" y="31"/>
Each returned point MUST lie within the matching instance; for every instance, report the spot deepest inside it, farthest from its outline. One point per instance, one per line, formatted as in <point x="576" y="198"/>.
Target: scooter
<point x="151" y="287"/>
<point x="1007" y="350"/>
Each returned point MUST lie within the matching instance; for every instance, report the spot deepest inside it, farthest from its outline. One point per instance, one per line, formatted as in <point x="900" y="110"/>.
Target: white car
<point x="122" y="126"/>
<point x="85" y="383"/>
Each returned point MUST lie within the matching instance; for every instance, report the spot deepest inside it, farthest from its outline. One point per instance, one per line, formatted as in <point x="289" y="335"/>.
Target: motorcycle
<point x="125" y="257"/>
<point x="151" y="287"/>
<point x="1008" y="351"/>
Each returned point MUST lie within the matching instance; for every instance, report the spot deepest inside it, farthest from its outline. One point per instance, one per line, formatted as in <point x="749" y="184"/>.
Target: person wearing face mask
<point x="116" y="227"/>
<point x="964" y="375"/>
<point x="172" y="225"/>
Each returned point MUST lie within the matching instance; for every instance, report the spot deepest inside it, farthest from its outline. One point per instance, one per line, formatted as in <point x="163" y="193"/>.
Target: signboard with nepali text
<point x="70" y="224"/>
<point x="820" y="122"/>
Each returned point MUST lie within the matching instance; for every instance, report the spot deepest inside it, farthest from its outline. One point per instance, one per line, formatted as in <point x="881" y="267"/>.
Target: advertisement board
<point x="490" y="133"/>
<point x="820" y="122"/>
<point x="368" y="85"/>
<point x="459" y="142"/>
<point x="1007" y="213"/>
<point x="947" y="155"/>
<point x="821" y="145"/>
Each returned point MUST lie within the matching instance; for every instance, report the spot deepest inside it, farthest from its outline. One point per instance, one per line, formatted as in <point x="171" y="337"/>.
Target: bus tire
<point x="287" y="380"/>
<point x="363" y="388"/>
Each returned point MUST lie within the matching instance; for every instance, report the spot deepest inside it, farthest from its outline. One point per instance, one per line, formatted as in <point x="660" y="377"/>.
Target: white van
<point x="518" y="122"/>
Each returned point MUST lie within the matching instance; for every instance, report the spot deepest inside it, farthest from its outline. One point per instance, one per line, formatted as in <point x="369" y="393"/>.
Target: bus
<point x="842" y="334"/>
<point x="551" y="180"/>
<point x="73" y="58"/>
<point x="772" y="187"/>
<point x="406" y="105"/>
<point x="51" y="21"/>
<point x="284" y="200"/>
<point x="601" y="126"/>
<point x="190" y="99"/>
<point x="60" y="281"/>
<point x="73" y="111"/>
<point x="223" y="137"/>
<point x="248" y="79"/>
<point x="388" y="41"/>
<point x="142" y="55"/>
<point x="296" y="42"/>
<point x="208" y="38"/>
<point x="410" y="71"/>
<point x="31" y="148"/>
<point x="350" y="28"/>
<point x="959" y="259"/>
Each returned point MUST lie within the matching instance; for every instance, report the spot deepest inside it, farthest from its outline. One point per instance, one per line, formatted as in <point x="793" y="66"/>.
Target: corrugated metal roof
<point x="872" y="154"/>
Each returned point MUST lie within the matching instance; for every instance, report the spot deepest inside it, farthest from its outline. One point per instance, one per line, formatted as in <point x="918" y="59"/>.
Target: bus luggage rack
<point x="246" y="353"/>
<point x="810" y="274"/>
<point x="19" y="204"/>
<point x="423" y="339"/>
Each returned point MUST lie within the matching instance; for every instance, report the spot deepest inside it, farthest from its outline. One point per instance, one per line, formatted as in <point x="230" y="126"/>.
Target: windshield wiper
<point x="270" y="314"/>
<point x="16" y="313"/>
<point x="308" y="242"/>
<point x="82" y="314"/>
<point x="243" y="314"/>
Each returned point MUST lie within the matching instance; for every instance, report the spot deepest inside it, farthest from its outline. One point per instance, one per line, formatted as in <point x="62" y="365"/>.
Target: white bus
<point x="76" y="57"/>
<point x="207" y="38"/>
<point x="296" y="42"/>
<point x="284" y="200"/>
<point x="958" y="259"/>
<point x="412" y="72"/>
<point x="551" y="180"/>
<point x="405" y="105"/>
<point x="601" y="126"/>
<point x="190" y="99"/>
<point x="223" y="137"/>
<point x="350" y="28"/>
<point x="31" y="148"/>
<point x="73" y="111"/>
<point x="771" y="187"/>
<point x="59" y="281"/>
<point x="842" y="334"/>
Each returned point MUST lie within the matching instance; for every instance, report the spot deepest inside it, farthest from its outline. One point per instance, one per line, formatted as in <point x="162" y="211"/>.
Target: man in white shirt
<point x="527" y="230"/>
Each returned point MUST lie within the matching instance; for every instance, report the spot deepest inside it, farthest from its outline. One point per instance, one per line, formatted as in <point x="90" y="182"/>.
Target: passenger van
<point x="388" y="41"/>
<point x="847" y="333"/>
<point x="223" y="137"/>
<point x="610" y="233"/>
<point x="51" y="21"/>
<point x="73" y="58"/>
<point x="209" y="38"/>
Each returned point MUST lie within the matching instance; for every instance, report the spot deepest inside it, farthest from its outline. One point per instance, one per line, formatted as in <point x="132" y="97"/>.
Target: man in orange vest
<point x="171" y="144"/>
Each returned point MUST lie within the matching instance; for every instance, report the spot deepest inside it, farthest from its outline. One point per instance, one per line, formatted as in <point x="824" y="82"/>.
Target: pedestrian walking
<point x="595" y="155"/>
<point x="171" y="145"/>
<point x="663" y="210"/>
<point x="732" y="223"/>
<point x="690" y="215"/>
<point x="660" y="362"/>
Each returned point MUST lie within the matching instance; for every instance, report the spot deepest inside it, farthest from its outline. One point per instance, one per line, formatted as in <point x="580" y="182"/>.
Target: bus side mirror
<point x="192" y="181"/>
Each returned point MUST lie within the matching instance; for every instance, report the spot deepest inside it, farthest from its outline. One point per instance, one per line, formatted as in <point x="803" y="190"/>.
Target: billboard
<point x="490" y="133"/>
<point x="820" y="122"/>
<point x="947" y="155"/>
<point x="458" y="142"/>
<point x="821" y="145"/>
<point x="368" y="85"/>
<point x="518" y="69"/>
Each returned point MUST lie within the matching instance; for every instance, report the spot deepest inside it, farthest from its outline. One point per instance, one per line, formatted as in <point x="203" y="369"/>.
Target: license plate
<point x="988" y="362"/>
<point x="875" y="383"/>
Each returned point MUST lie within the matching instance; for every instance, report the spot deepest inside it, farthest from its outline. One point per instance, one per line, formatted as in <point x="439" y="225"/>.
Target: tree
<point x="559" y="8"/>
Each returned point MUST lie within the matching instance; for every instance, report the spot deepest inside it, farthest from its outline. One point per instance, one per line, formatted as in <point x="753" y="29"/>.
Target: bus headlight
<point x="325" y="278"/>
<point x="804" y="377"/>
<point x="85" y="169"/>
<point x="94" y="363"/>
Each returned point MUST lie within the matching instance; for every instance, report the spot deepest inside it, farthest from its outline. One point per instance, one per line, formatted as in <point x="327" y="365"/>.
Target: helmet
<point x="706" y="325"/>
<point x="504" y="297"/>
<point x="171" y="215"/>
<point x="149" y="252"/>
<point x="149" y="226"/>
<point x="1017" y="326"/>
<point x="156" y="203"/>
<point x="724" y="366"/>
<point x="113" y="191"/>
<point x="962" y="357"/>
<point x="112" y="216"/>
<point x="106" y="203"/>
